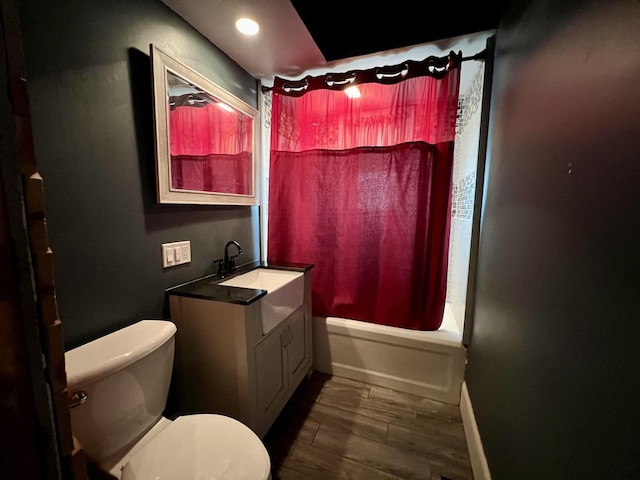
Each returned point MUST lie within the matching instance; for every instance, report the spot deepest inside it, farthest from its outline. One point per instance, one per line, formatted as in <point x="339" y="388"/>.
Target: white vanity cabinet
<point x="282" y="360"/>
<point x="225" y="364"/>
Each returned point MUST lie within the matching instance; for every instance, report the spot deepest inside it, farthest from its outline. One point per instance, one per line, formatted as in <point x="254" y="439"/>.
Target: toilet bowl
<point x="234" y="452"/>
<point x="118" y="386"/>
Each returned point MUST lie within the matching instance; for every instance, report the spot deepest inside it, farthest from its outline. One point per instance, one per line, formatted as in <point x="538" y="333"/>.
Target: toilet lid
<point x="201" y="447"/>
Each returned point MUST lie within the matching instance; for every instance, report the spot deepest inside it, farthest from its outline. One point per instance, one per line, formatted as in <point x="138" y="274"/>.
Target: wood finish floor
<point x="336" y="428"/>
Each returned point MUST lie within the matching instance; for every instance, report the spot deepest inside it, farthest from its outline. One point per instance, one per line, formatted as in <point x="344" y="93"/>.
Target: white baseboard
<point x="479" y="463"/>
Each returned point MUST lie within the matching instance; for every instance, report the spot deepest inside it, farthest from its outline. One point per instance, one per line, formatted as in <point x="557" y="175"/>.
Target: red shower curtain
<point x="362" y="189"/>
<point x="210" y="150"/>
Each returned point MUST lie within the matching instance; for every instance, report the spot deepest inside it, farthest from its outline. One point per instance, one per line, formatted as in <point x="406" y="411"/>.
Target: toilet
<point x="118" y="387"/>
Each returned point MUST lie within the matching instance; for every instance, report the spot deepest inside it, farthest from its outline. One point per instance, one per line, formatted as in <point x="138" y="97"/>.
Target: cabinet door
<point x="271" y="369"/>
<point x="297" y="347"/>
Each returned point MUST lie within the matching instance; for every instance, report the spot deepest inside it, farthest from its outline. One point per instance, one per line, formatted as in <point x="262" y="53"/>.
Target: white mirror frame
<point x="160" y="64"/>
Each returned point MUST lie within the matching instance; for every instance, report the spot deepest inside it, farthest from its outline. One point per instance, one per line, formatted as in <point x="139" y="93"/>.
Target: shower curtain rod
<point x="431" y="66"/>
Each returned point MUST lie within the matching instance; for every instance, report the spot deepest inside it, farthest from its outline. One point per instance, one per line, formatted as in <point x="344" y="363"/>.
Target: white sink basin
<point x="285" y="292"/>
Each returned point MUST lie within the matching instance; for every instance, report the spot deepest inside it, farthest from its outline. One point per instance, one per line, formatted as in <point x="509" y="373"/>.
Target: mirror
<point x="206" y="138"/>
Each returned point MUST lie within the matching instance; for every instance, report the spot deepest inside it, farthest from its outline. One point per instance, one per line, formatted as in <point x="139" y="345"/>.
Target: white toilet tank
<point x="126" y="376"/>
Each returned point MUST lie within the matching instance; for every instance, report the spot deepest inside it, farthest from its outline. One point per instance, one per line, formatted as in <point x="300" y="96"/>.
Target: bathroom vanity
<point x="243" y="343"/>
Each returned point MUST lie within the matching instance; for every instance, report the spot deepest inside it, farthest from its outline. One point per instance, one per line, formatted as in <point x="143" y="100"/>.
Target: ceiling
<point x="299" y="35"/>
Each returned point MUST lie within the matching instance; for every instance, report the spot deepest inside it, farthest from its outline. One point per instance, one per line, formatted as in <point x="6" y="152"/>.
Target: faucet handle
<point x="220" y="263"/>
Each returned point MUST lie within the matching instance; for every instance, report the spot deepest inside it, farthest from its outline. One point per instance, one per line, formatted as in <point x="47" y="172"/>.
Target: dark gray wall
<point x="88" y="72"/>
<point x="553" y="360"/>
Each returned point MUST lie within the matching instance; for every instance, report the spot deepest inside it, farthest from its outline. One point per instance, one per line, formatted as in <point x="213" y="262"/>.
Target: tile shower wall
<point x="463" y="193"/>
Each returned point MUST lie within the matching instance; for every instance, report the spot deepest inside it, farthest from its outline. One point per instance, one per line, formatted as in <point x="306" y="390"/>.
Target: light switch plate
<point x="176" y="253"/>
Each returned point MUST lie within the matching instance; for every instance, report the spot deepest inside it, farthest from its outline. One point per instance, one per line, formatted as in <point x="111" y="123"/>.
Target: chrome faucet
<point x="229" y="260"/>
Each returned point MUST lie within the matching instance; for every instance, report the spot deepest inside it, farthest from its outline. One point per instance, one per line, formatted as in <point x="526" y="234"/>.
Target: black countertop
<point x="207" y="288"/>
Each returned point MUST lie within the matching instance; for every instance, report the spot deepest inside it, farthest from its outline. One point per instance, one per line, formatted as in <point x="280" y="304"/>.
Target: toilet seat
<point x="203" y="446"/>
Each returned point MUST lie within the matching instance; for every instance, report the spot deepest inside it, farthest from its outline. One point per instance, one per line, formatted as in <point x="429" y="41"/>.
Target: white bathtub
<point x="430" y="364"/>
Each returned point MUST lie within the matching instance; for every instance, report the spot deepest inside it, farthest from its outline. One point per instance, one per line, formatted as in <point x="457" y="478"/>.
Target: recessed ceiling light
<point x="247" y="26"/>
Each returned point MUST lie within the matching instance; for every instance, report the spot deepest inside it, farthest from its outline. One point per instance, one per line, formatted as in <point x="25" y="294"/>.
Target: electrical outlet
<point x="176" y="253"/>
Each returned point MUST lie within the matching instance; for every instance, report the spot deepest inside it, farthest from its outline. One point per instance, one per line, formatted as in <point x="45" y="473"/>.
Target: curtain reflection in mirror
<point x="209" y="141"/>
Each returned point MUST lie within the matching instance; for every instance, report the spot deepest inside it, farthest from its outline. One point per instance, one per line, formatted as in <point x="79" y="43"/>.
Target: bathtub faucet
<point x="229" y="260"/>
